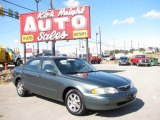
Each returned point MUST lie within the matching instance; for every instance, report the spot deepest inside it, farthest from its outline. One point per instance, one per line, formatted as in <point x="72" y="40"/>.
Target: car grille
<point x="124" y="88"/>
<point x="145" y="61"/>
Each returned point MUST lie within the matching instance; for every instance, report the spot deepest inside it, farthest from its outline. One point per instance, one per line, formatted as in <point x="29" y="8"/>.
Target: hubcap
<point x="74" y="102"/>
<point x="20" y="88"/>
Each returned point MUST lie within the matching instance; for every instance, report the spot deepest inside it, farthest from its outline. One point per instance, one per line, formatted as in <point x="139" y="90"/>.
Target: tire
<point x="131" y="64"/>
<point x="92" y="62"/>
<point x="149" y="65"/>
<point x="18" y="62"/>
<point x="74" y="103"/>
<point x="21" y="91"/>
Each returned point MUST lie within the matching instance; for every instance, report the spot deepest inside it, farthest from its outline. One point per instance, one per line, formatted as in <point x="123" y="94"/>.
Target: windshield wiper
<point x="93" y="71"/>
<point x="81" y="72"/>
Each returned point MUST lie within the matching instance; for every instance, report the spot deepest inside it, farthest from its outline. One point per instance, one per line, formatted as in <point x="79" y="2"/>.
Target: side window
<point x="33" y="65"/>
<point x="48" y="66"/>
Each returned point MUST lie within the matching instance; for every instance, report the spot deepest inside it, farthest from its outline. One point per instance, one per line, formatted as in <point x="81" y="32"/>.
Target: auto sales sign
<point x="63" y="24"/>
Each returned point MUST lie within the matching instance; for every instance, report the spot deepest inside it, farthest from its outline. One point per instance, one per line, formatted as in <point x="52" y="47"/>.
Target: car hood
<point x="103" y="79"/>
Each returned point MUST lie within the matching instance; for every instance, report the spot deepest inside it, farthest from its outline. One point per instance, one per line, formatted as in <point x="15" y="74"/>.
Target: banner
<point x="62" y="24"/>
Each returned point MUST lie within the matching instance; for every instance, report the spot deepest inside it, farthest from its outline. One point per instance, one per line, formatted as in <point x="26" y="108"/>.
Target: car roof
<point x="56" y="57"/>
<point x="50" y="57"/>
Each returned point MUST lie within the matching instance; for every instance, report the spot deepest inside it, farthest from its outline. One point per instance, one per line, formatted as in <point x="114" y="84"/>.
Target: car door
<point x="49" y="80"/>
<point x="31" y="75"/>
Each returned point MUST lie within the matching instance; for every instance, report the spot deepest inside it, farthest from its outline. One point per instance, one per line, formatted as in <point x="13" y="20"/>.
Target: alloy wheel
<point x="74" y="102"/>
<point x="20" y="88"/>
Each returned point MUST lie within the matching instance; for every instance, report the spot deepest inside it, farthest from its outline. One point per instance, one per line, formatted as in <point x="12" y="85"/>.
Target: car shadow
<point x="128" y="109"/>
<point x="112" y="71"/>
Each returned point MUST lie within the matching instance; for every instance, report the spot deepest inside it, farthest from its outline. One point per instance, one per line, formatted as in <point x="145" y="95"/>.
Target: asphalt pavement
<point x="146" y="106"/>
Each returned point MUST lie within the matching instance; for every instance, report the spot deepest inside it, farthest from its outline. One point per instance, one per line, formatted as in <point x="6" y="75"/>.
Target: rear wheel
<point x="20" y="89"/>
<point x="75" y="103"/>
<point x="148" y="65"/>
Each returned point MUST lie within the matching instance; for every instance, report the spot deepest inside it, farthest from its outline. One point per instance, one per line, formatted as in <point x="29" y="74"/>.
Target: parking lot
<point x="146" y="106"/>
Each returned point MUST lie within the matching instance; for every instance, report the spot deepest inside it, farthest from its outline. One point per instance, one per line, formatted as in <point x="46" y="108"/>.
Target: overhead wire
<point x="18" y="5"/>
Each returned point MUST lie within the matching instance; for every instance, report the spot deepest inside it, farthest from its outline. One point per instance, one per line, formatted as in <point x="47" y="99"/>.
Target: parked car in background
<point x="140" y="60"/>
<point x="75" y="82"/>
<point x="92" y="58"/>
<point x="95" y="59"/>
<point x="154" y="61"/>
<point x="43" y="54"/>
<point x="62" y="55"/>
<point x="112" y="57"/>
<point x="124" y="60"/>
<point x="8" y="56"/>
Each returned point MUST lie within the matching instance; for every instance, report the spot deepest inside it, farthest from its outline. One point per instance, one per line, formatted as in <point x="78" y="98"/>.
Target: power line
<point x="18" y="5"/>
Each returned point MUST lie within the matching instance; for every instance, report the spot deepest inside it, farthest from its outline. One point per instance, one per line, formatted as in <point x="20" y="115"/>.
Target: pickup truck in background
<point x="95" y="59"/>
<point x="92" y="58"/>
<point x="140" y="60"/>
<point x="8" y="56"/>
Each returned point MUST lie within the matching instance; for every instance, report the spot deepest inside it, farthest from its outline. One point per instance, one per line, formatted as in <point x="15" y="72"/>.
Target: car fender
<point x="73" y="84"/>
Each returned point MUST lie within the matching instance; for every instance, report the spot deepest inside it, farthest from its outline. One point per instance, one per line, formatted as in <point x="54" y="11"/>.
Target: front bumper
<point x="124" y="63"/>
<point x="107" y="102"/>
<point x="141" y="63"/>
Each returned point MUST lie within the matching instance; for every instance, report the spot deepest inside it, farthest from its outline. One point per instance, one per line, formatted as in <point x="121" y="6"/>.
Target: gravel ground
<point x="146" y="106"/>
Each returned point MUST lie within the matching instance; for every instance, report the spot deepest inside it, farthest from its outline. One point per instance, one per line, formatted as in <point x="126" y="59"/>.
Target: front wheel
<point x="92" y="62"/>
<point x="20" y="89"/>
<point x="18" y="62"/>
<point x="75" y="103"/>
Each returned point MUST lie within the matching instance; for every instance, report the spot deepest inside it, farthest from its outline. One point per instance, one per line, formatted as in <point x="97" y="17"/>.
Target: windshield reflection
<point x="73" y="66"/>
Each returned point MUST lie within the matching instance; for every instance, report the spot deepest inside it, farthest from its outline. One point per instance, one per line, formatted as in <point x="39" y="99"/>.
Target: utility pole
<point x="53" y="42"/>
<point x="114" y="48"/>
<point x="37" y="1"/>
<point x="124" y="45"/>
<point x="51" y="5"/>
<point x="87" y="50"/>
<point x="131" y="45"/>
<point x="96" y="44"/>
<point x="24" y="52"/>
<point x="100" y="40"/>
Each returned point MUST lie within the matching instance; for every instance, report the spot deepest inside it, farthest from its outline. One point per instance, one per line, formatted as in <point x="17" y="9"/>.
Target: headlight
<point x="106" y="90"/>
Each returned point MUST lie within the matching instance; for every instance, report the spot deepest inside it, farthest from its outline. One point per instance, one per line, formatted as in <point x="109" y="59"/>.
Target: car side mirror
<point x="51" y="72"/>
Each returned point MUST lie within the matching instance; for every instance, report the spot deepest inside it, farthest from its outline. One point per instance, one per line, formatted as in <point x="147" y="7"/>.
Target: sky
<point x="120" y="21"/>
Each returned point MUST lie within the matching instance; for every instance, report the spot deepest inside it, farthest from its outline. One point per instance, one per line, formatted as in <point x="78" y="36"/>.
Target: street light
<point x="96" y="44"/>
<point x="37" y="1"/>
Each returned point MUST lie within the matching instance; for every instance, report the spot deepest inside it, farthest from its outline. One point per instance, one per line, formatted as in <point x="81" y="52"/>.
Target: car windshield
<point x="140" y="56"/>
<point x="73" y="66"/>
<point x="123" y="58"/>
